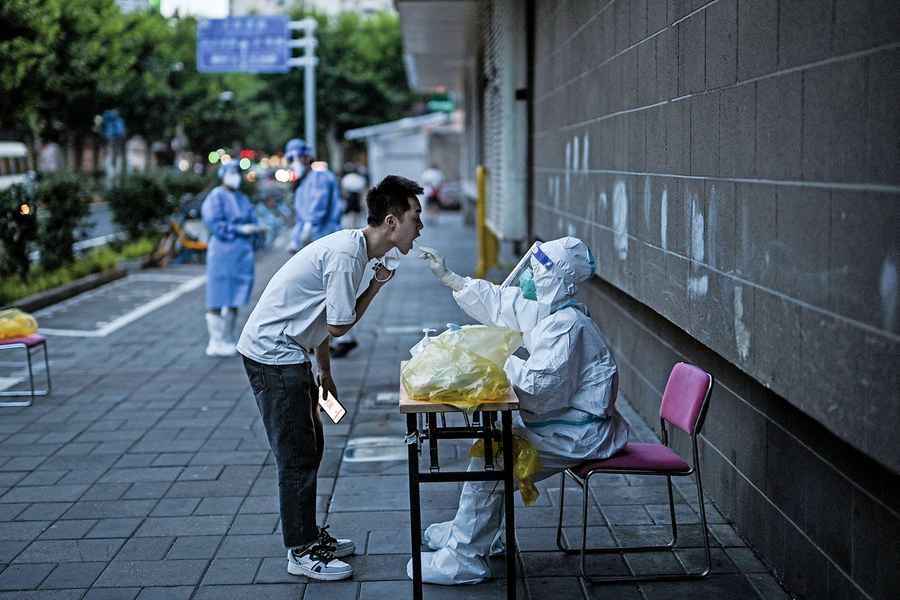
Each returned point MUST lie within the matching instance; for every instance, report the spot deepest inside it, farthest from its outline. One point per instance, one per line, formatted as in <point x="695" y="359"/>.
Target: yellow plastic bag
<point x="16" y="323"/>
<point x="526" y="464"/>
<point x="462" y="367"/>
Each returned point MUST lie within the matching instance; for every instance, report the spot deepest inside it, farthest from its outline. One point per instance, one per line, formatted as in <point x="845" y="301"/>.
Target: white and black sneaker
<point x="317" y="562"/>
<point x="340" y="547"/>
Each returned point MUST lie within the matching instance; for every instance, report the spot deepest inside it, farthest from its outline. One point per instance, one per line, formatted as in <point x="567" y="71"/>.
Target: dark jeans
<point x="288" y="403"/>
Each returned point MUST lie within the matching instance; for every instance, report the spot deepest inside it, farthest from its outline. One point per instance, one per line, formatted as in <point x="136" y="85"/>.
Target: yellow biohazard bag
<point x="462" y="367"/>
<point x="526" y="464"/>
<point x="16" y="323"/>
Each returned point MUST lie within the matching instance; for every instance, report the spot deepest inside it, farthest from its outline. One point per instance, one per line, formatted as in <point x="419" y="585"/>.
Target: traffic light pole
<point x="308" y="61"/>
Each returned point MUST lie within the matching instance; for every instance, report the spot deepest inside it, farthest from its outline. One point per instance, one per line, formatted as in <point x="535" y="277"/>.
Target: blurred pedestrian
<point x="318" y="206"/>
<point x="432" y="179"/>
<point x="353" y="186"/>
<point x="231" y="220"/>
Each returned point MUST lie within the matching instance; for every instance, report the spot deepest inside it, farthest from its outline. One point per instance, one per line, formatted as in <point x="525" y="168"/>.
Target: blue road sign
<point x="243" y="45"/>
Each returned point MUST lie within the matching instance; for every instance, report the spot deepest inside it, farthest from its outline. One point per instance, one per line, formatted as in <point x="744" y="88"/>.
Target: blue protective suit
<point x="317" y="201"/>
<point x="229" y="256"/>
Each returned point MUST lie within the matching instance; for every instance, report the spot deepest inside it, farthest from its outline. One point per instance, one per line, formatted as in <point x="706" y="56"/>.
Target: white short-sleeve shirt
<point x="318" y="286"/>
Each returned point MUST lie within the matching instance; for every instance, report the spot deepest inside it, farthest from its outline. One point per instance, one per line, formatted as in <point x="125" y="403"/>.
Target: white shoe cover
<point x="217" y="346"/>
<point x="445" y="567"/>
<point x="437" y="536"/>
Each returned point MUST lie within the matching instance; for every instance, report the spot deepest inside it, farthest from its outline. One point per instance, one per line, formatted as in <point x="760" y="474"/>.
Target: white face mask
<point x="232" y="180"/>
<point x="391" y="259"/>
<point x="298" y="167"/>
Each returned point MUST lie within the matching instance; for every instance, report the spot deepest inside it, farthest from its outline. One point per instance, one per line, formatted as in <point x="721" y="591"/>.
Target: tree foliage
<point x="67" y="61"/>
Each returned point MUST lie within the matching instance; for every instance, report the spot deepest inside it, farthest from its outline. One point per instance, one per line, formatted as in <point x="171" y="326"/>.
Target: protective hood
<point x="558" y="267"/>
<point x="229" y="167"/>
<point x="295" y="148"/>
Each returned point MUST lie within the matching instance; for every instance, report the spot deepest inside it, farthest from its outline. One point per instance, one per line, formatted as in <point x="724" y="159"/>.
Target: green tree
<point x="28" y="32"/>
<point x="85" y="69"/>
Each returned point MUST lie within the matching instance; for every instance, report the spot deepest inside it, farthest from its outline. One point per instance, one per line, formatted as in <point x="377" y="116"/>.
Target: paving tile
<point x="733" y="587"/>
<point x="9" y="549"/>
<point x="154" y="548"/>
<point x="250" y="592"/>
<point x="201" y="546"/>
<point x="122" y="593"/>
<point x="201" y="473"/>
<point x="251" y="546"/>
<point x="115" y="528"/>
<point x="175" y="507"/>
<point x="68" y="530"/>
<point x="44" y="493"/>
<point x="166" y="593"/>
<point x="147" y="489"/>
<point x="225" y="505"/>
<point x="264" y="524"/>
<point x="9" y="512"/>
<point x="44" y="511"/>
<point x="76" y="574"/>
<point x="60" y="551"/>
<point x="231" y="571"/>
<point x="179" y="526"/>
<point x="43" y="595"/>
<point x="22" y="530"/>
<point x="107" y="509"/>
<point x="746" y="560"/>
<point x="152" y="573"/>
<point x="24" y="577"/>
<point x="333" y="590"/>
<point x="105" y="491"/>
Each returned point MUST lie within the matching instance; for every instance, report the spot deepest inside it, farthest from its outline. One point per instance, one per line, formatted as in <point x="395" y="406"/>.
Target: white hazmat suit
<point x="566" y="388"/>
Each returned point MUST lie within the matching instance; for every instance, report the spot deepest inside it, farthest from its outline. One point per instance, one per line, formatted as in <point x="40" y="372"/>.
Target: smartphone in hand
<point x="331" y="406"/>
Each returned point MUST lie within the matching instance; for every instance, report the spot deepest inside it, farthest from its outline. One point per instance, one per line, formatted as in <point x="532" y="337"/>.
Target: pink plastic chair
<point x="683" y="405"/>
<point x="28" y="343"/>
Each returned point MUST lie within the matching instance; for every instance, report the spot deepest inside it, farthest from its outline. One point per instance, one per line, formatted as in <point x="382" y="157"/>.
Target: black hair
<point x="391" y="196"/>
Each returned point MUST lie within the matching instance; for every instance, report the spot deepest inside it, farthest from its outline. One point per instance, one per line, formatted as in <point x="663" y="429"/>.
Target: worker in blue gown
<point x="318" y="205"/>
<point x="231" y="220"/>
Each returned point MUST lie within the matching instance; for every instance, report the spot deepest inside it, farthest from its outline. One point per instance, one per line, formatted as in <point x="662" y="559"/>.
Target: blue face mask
<point x="526" y="284"/>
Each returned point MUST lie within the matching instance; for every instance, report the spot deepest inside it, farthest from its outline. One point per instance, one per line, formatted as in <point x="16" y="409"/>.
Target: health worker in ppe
<point x="231" y="220"/>
<point x="566" y="388"/>
<point x="318" y="205"/>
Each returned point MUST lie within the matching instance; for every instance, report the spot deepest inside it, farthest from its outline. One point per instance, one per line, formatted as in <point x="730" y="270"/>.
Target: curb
<point x="68" y="290"/>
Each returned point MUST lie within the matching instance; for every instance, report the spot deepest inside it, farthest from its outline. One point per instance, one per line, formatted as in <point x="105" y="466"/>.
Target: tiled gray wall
<point x="736" y="167"/>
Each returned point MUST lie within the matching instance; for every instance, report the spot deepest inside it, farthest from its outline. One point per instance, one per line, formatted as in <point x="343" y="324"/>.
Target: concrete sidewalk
<point x="147" y="474"/>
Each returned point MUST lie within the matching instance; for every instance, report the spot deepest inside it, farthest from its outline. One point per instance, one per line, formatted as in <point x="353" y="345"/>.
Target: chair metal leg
<point x="47" y="368"/>
<point x="670" y="546"/>
<point x="703" y="522"/>
<point x="562" y="505"/>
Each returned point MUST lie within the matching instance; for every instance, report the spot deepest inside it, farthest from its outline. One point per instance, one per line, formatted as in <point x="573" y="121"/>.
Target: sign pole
<point x="308" y="61"/>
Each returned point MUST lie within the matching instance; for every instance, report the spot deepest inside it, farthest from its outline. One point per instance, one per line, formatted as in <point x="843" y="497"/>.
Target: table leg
<point x="415" y="515"/>
<point x="508" y="493"/>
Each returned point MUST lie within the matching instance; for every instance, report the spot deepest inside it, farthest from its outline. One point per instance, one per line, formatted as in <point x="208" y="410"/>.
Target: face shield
<point x="524" y="264"/>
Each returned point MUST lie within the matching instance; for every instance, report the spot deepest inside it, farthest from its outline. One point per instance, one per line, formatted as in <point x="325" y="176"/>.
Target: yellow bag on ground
<point x="16" y="323"/>
<point x="526" y="464"/>
<point x="462" y="367"/>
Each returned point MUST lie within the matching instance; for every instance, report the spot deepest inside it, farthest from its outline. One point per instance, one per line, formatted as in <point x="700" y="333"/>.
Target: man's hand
<point x="382" y="276"/>
<point x="326" y="382"/>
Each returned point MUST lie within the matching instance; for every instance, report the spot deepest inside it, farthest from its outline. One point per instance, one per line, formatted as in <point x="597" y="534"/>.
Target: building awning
<point x="429" y="120"/>
<point x="440" y="37"/>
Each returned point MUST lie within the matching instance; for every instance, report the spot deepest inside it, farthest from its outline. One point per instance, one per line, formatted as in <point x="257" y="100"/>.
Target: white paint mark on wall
<point x="887" y="288"/>
<point x="586" y="153"/>
<point x="664" y="218"/>
<point x="697" y="286"/>
<point x="741" y="332"/>
<point x="568" y="167"/>
<point x="648" y="202"/>
<point x="712" y="225"/>
<point x="620" y="220"/>
<point x="604" y="202"/>
<point x="572" y="230"/>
